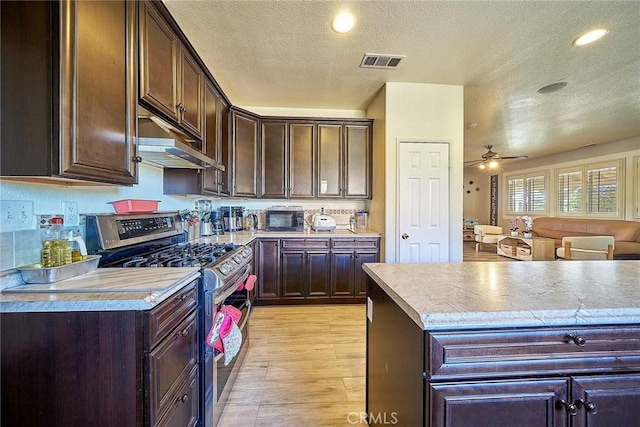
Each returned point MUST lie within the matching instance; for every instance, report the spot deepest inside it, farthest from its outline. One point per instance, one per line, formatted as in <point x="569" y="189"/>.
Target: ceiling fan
<point x="491" y="159"/>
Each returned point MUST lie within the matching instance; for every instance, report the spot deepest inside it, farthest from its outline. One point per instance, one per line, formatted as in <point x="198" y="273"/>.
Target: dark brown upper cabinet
<point x="244" y="154"/>
<point x="302" y="137"/>
<point x="69" y="91"/>
<point x="171" y="81"/>
<point x="212" y="178"/>
<point x="274" y="147"/>
<point x="287" y="159"/>
<point x="357" y="166"/>
<point x="344" y="160"/>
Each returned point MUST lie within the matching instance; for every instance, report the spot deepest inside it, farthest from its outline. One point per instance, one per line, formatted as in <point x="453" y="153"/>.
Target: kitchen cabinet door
<point x="329" y="160"/>
<point x="342" y="267"/>
<point x="522" y="403"/>
<point x="357" y="168"/>
<point x="213" y="139"/>
<point x="360" y="277"/>
<point x="191" y="92"/>
<point x="244" y="155"/>
<point x="274" y="183"/>
<point x="69" y="90"/>
<point x="292" y="264"/>
<point x="268" y="260"/>
<point x="301" y="165"/>
<point x="159" y="51"/>
<point x="602" y="401"/>
<point x="318" y="274"/>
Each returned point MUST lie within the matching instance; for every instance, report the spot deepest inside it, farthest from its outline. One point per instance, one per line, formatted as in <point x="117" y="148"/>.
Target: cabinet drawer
<point x="355" y="243"/>
<point x="183" y="408"/>
<point x="170" y="364"/>
<point x="166" y="316"/>
<point x="305" y="243"/>
<point x="524" y="251"/>
<point x="455" y="355"/>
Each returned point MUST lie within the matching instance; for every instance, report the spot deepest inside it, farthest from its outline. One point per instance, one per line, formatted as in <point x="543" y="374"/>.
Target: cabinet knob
<point x="590" y="407"/>
<point x="184" y="110"/>
<point x="568" y="406"/>
<point x="182" y="398"/>
<point x="577" y="339"/>
<point x="136" y="159"/>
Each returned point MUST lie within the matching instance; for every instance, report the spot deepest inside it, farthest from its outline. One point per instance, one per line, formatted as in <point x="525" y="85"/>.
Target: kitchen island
<point x="487" y="344"/>
<point x="113" y="347"/>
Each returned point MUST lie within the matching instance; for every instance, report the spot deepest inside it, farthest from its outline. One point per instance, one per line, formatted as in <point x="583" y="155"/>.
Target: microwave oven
<point x="284" y="218"/>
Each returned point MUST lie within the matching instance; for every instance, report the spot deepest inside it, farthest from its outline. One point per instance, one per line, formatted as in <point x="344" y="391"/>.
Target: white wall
<point x="93" y="199"/>
<point x="424" y="113"/>
<point x="476" y="193"/>
<point x="377" y="214"/>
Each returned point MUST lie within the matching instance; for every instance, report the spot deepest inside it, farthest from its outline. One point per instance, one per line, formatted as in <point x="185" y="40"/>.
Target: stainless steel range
<point x="158" y="241"/>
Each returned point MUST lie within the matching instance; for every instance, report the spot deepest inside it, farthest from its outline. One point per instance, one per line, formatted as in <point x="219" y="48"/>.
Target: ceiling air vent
<point x="375" y="60"/>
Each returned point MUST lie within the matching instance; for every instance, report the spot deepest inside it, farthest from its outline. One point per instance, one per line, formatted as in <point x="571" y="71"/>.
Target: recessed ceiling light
<point x="590" y="37"/>
<point x="553" y="87"/>
<point x="343" y="22"/>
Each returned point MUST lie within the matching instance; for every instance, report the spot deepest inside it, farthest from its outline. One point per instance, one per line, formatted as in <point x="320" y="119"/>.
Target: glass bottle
<point x="56" y="250"/>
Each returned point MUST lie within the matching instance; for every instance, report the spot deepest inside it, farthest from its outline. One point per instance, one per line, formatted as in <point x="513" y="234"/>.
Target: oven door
<point x="220" y="377"/>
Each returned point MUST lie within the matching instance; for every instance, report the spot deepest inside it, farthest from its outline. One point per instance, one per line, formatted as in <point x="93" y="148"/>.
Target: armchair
<point x="486" y="234"/>
<point x="586" y="247"/>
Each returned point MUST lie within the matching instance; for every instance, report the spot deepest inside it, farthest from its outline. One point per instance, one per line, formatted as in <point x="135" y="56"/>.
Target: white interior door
<point x="423" y="202"/>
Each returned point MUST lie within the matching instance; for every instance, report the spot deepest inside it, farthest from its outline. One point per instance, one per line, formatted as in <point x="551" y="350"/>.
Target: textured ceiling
<point x="284" y="54"/>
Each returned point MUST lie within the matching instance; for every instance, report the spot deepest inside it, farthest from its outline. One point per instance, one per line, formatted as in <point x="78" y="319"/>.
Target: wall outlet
<point x="71" y="216"/>
<point x="16" y="215"/>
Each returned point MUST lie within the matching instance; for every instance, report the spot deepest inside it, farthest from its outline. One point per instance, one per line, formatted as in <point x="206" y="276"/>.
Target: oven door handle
<point x="231" y="289"/>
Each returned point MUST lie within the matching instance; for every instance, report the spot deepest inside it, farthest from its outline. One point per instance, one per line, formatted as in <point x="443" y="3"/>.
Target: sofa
<point x="625" y="233"/>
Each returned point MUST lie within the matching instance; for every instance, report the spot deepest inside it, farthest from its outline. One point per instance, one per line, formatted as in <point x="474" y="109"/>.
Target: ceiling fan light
<point x="493" y="164"/>
<point x="482" y="166"/>
<point x="590" y="37"/>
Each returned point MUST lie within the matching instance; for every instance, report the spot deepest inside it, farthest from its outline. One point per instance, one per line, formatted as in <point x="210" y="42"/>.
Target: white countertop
<point x="470" y="295"/>
<point x="104" y="289"/>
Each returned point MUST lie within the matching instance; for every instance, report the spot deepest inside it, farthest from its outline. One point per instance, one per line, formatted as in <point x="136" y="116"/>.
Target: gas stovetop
<point x="182" y="255"/>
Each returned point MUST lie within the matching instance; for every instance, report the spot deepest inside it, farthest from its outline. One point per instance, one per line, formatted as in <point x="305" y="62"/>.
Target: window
<point x="590" y="190"/>
<point x="526" y="194"/>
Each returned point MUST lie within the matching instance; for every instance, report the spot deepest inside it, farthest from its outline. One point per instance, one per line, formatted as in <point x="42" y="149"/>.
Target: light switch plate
<point x="16" y="215"/>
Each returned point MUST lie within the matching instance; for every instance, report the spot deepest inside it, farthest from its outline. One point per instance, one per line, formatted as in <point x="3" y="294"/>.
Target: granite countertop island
<point x="470" y="295"/>
<point x="104" y="289"/>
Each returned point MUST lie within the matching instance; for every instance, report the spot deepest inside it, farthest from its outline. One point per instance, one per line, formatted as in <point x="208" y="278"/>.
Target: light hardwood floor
<point x="306" y="364"/>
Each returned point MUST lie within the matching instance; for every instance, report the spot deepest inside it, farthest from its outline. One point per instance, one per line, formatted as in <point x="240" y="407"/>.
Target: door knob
<point x="405" y="236"/>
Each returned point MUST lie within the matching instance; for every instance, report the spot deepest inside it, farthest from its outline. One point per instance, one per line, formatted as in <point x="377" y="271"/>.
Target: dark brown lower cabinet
<point x="305" y="274"/>
<point x="107" y="368"/>
<point x="313" y="270"/>
<point x="548" y="376"/>
<point x="525" y="403"/>
<point x="268" y="261"/>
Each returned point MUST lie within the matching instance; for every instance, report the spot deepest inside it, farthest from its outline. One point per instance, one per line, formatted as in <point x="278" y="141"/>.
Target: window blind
<point x="535" y="194"/>
<point x="602" y="190"/>
<point x="515" y="195"/>
<point x="570" y="193"/>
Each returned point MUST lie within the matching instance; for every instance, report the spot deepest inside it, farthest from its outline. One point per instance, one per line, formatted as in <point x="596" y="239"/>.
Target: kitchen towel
<point x="231" y="340"/>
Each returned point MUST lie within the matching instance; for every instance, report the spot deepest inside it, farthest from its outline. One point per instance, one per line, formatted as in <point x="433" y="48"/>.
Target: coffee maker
<point x="232" y="218"/>
<point x="217" y="223"/>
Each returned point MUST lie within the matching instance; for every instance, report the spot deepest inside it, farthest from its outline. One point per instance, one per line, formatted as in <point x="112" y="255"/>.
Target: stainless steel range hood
<point x="160" y="146"/>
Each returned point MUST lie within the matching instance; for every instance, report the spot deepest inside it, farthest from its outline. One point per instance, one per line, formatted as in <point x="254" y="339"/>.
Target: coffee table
<point x="526" y="249"/>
